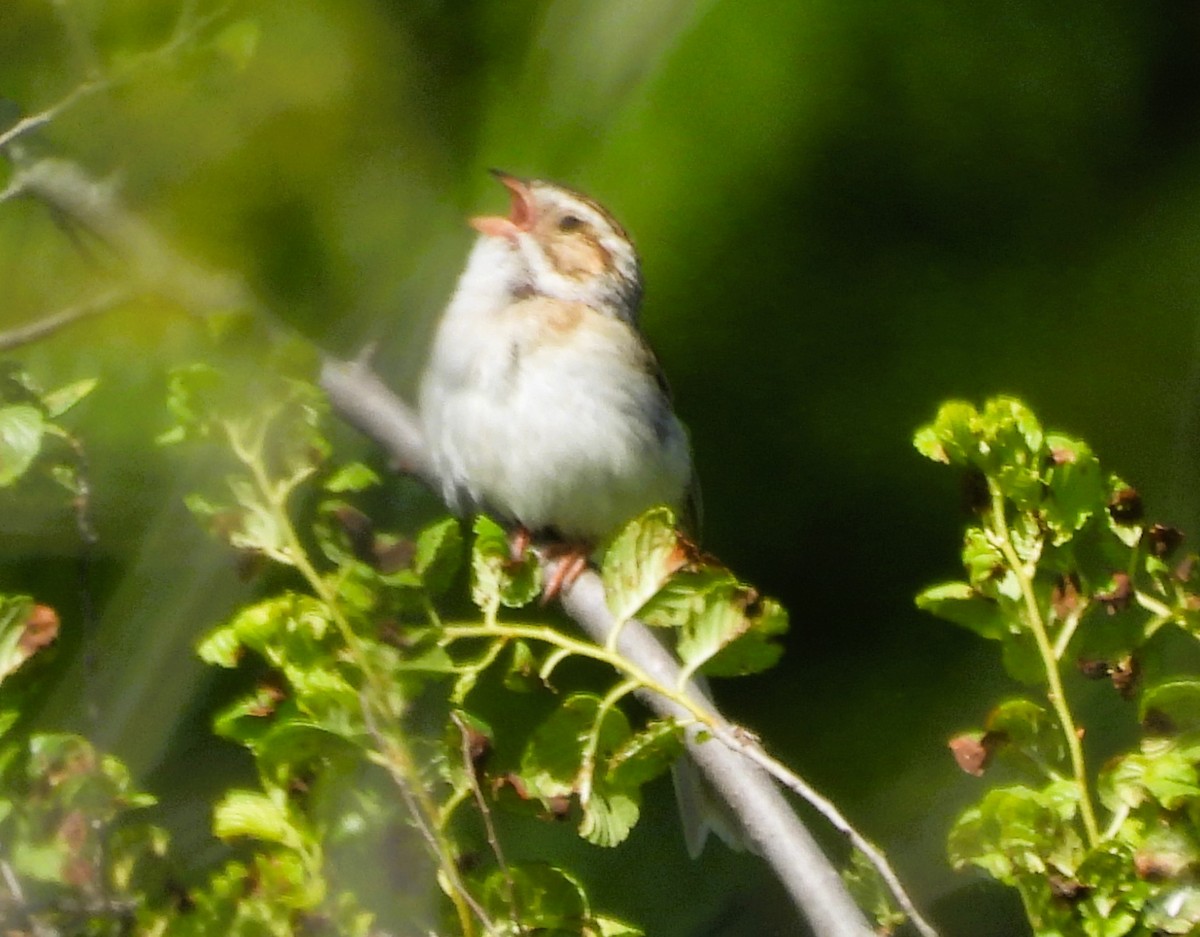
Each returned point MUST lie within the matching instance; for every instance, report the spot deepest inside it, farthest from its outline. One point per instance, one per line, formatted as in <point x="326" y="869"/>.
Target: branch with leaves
<point x="1065" y="575"/>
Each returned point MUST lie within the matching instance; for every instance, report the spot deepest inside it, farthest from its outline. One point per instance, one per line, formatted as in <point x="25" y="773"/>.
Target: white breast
<point x="547" y="414"/>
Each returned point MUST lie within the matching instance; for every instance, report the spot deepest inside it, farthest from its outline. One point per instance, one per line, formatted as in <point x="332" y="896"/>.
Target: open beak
<point x="520" y="217"/>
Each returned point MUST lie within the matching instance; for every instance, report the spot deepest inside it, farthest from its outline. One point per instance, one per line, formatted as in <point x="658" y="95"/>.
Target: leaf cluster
<point x="365" y="678"/>
<point x="1063" y="572"/>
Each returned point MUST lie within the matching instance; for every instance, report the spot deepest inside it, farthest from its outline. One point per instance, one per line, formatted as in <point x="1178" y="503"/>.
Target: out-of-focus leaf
<point x="57" y="402"/>
<point x="1023" y="727"/>
<point x="255" y="815"/>
<point x="352" y="477"/>
<point x="1173" y="705"/>
<point x="438" y="555"/>
<point x="21" y="431"/>
<point x="25" y="628"/>
<point x="238" y="42"/>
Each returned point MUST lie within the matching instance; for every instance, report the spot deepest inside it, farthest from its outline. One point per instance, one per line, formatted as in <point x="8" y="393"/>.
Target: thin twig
<point x="47" y="325"/>
<point x="485" y="812"/>
<point x="386" y="760"/>
<point x="186" y="29"/>
<point x="825" y="807"/>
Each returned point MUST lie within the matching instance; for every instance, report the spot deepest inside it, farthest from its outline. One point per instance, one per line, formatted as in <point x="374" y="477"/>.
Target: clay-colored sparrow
<point x="542" y="403"/>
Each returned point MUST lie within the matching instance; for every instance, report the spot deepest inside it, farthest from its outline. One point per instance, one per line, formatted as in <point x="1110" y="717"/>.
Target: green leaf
<point x="1029" y="730"/>
<point x="438" y="555"/>
<point x="960" y="604"/>
<point x="610" y="815"/>
<point x="1076" y="488"/>
<point x="21" y="430"/>
<point x="538" y="899"/>
<point x="646" y="754"/>
<point x="553" y="757"/>
<point x="496" y="578"/>
<point x="1173" y="705"/>
<point x="755" y="649"/>
<point x="1163" y="774"/>
<point x="871" y="893"/>
<point x="59" y="401"/>
<point x="257" y="816"/>
<point x="520" y="676"/>
<point x="685" y="595"/>
<point x="950" y="438"/>
<point x="15" y="649"/>
<point x="352" y="477"/>
<point x="1014" y="831"/>
<point x="639" y="561"/>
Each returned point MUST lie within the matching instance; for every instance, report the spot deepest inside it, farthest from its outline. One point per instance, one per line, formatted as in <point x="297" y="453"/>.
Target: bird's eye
<point x="569" y="223"/>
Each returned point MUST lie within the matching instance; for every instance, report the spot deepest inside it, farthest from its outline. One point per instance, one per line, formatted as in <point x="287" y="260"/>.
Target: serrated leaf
<point x="352" y="477"/>
<point x="756" y="649"/>
<point x="21" y="431"/>
<point x="609" y="816"/>
<point x="496" y="578"/>
<point x="1165" y="776"/>
<point x="1013" y="831"/>
<point x="520" y="676"/>
<point x="553" y="757"/>
<point x="1075" y="489"/>
<point x="59" y="401"/>
<point x="639" y="561"/>
<point x="438" y="555"/>
<point x="646" y="754"/>
<point x="683" y="596"/>
<point x="539" y="898"/>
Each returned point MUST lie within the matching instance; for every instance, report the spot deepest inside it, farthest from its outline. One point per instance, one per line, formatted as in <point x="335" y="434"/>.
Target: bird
<point x="543" y="404"/>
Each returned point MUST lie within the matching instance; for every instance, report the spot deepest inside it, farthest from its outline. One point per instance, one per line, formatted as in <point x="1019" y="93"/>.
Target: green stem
<point x="568" y="645"/>
<point x="1055" y="692"/>
<point x="399" y="758"/>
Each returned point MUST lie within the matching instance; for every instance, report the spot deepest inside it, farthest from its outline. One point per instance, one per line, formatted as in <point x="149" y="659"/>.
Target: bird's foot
<point x="566" y="562"/>
<point x="519" y="539"/>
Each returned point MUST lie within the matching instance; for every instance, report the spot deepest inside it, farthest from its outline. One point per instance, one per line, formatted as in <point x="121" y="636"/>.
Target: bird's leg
<point x="518" y="542"/>
<point x="571" y="560"/>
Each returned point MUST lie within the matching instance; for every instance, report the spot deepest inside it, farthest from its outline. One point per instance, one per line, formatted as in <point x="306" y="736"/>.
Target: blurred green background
<point x="847" y="212"/>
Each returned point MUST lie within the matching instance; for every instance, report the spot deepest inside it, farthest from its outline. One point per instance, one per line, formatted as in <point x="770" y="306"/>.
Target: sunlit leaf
<point x="255" y="815"/>
<point x="639" y="561"/>
<point x="57" y="402"/>
<point x="352" y="477"/>
<point x="1076" y="488"/>
<point x="959" y="603"/>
